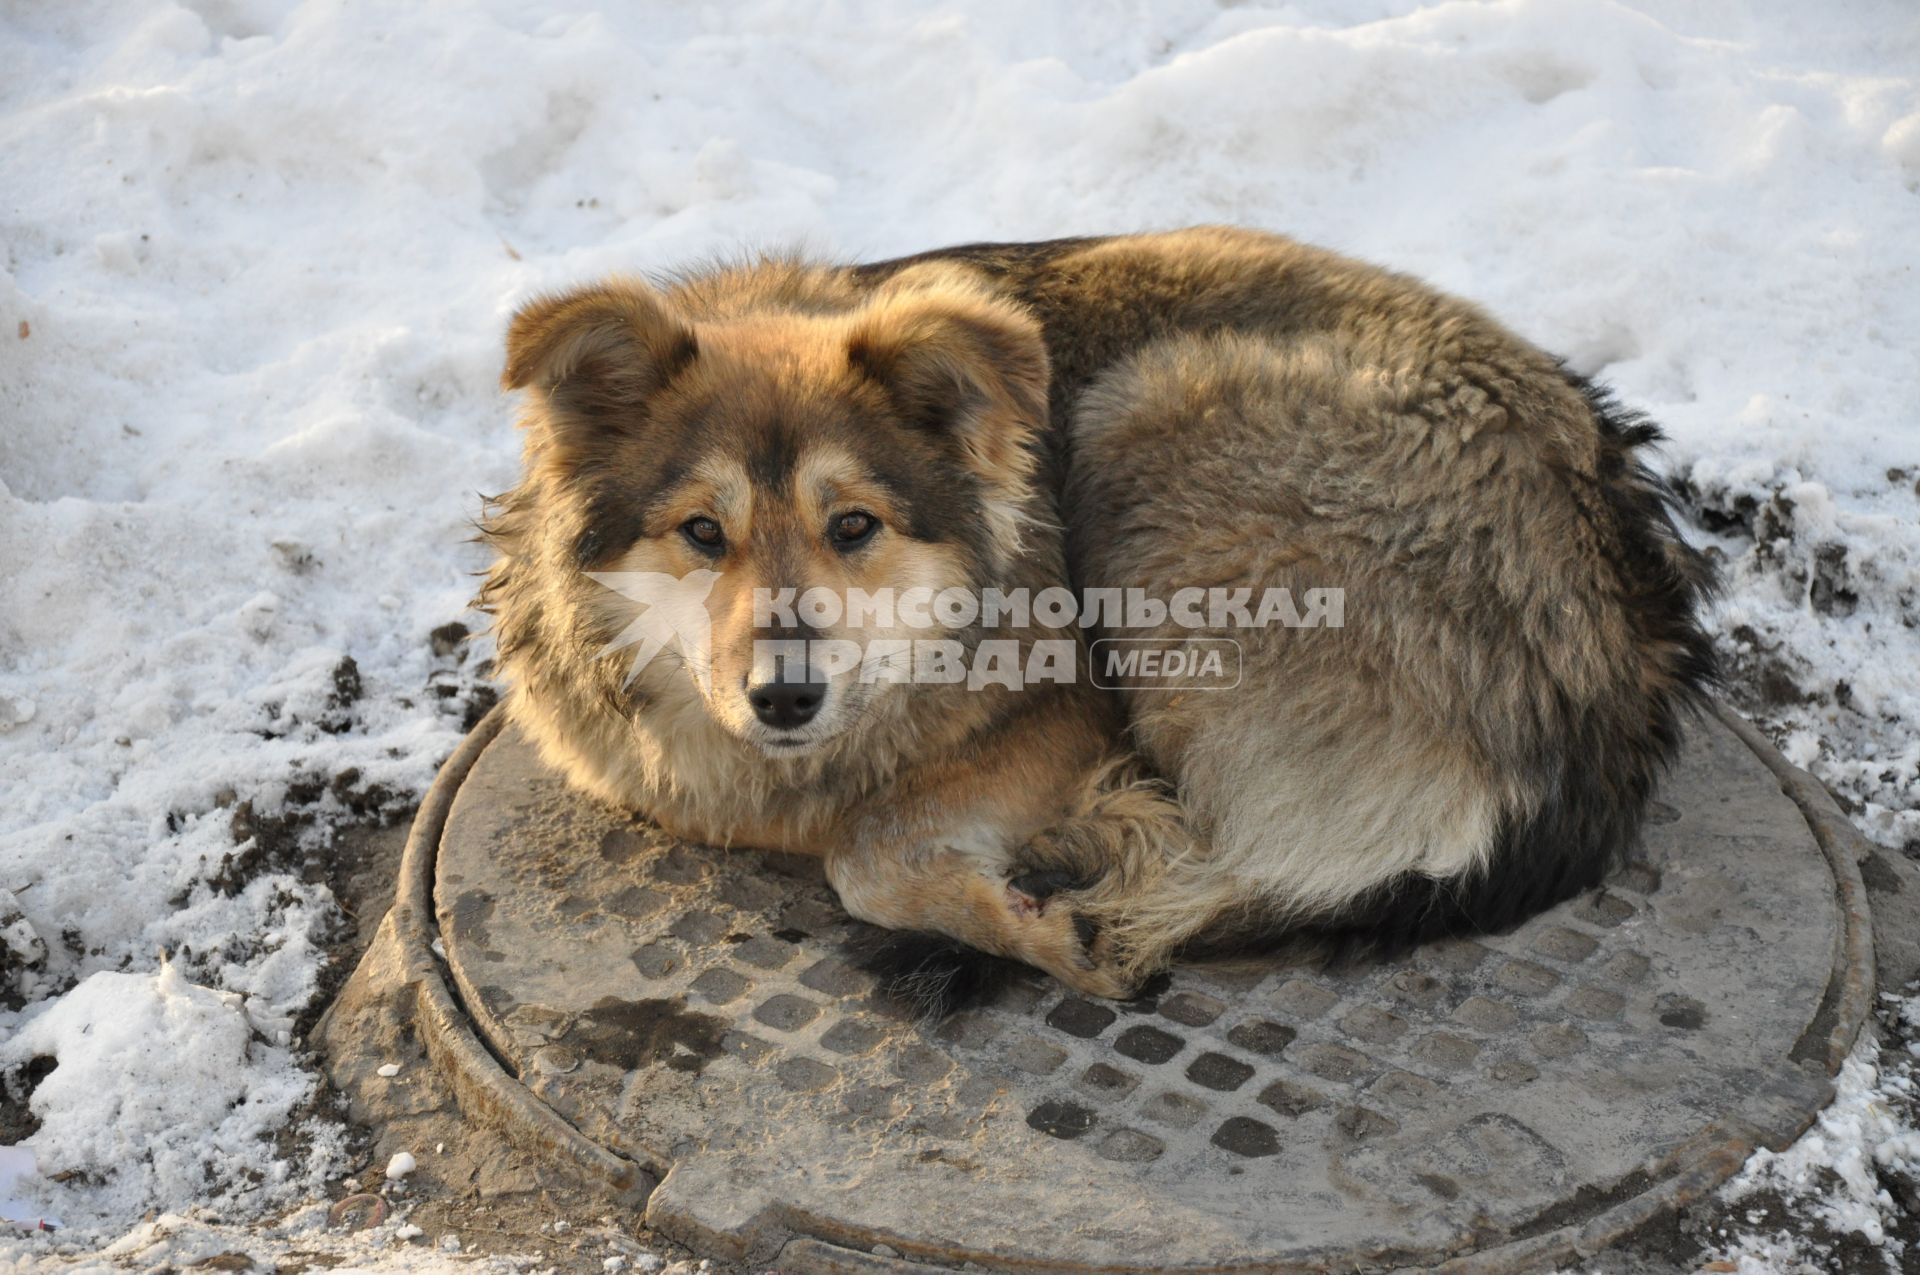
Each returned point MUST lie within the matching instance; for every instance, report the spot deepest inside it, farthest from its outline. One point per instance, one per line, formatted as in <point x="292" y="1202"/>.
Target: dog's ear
<point x="971" y="368"/>
<point x="599" y="348"/>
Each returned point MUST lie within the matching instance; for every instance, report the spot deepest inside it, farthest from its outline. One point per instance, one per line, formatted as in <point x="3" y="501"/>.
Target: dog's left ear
<point x="598" y="351"/>
<point x="972" y="369"/>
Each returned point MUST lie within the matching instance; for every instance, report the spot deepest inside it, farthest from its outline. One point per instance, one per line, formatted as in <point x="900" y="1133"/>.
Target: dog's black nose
<point x="786" y="704"/>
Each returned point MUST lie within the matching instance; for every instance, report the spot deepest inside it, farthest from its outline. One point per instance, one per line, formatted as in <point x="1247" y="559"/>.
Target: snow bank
<point x="259" y="257"/>
<point x="163" y="1091"/>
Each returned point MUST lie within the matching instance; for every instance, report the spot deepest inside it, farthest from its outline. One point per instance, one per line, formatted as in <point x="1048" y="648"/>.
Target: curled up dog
<point x="828" y="559"/>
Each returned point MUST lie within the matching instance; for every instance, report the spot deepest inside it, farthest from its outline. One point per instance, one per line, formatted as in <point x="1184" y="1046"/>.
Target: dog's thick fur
<point x="1208" y="408"/>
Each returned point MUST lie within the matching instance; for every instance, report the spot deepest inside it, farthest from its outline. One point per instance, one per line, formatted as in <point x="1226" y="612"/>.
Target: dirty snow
<point x="306" y="1239"/>
<point x="163" y="1090"/>
<point x="1839" y="1180"/>
<point x="258" y="257"/>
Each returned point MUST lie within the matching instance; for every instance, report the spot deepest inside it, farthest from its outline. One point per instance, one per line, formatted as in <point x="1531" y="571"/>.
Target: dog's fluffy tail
<point x="1601" y="765"/>
<point x="1311" y="846"/>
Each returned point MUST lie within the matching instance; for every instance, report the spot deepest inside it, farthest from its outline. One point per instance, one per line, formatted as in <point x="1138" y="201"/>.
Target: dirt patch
<point x="17" y="1121"/>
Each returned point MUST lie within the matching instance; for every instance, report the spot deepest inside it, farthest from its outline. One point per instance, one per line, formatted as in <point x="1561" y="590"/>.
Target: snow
<point x="401" y="1165"/>
<point x="259" y="256"/>
<point x="162" y="1086"/>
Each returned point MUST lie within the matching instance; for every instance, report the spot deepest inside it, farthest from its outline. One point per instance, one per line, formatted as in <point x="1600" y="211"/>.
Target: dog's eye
<point x="854" y="528"/>
<point x="705" y="534"/>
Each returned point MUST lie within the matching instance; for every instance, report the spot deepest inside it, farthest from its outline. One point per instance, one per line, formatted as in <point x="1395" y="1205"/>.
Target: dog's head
<point x="716" y="470"/>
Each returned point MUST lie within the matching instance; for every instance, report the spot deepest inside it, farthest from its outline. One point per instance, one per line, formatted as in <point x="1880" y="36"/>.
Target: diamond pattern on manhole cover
<point x="715" y="1032"/>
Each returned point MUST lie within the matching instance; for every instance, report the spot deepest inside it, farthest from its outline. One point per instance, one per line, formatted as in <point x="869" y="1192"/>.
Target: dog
<point x="1119" y="419"/>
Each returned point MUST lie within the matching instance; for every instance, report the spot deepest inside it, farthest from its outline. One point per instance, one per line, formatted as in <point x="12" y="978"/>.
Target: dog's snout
<point x="786" y="703"/>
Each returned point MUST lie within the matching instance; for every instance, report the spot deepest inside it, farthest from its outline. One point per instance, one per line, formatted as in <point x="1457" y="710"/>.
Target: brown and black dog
<point x="1213" y="409"/>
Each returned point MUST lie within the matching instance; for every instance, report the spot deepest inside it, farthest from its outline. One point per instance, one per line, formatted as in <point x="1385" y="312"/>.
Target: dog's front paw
<point x="1096" y="969"/>
<point x="1061" y="933"/>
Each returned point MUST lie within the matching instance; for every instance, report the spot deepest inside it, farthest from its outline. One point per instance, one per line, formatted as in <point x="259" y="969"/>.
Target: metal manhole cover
<point x="692" y="1010"/>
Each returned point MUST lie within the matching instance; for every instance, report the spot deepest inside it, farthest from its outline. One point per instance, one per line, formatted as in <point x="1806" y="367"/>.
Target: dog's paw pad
<point x="1036" y="887"/>
<point x="1086" y="929"/>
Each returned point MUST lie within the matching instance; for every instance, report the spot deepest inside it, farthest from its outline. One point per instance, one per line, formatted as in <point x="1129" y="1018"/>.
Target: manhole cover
<point x="1504" y="1100"/>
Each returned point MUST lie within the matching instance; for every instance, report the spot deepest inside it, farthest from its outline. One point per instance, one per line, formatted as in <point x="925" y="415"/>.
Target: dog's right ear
<point x="598" y="349"/>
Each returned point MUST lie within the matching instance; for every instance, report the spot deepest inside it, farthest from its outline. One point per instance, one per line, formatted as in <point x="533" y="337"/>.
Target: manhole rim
<point x="483" y="1086"/>
<point x="488" y="1091"/>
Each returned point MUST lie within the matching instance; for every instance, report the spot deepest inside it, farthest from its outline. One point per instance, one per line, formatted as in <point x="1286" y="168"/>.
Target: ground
<point x="259" y="256"/>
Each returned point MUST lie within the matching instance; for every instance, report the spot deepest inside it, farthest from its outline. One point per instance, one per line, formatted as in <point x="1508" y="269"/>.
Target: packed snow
<point x="259" y="257"/>
<point x="162" y="1088"/>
